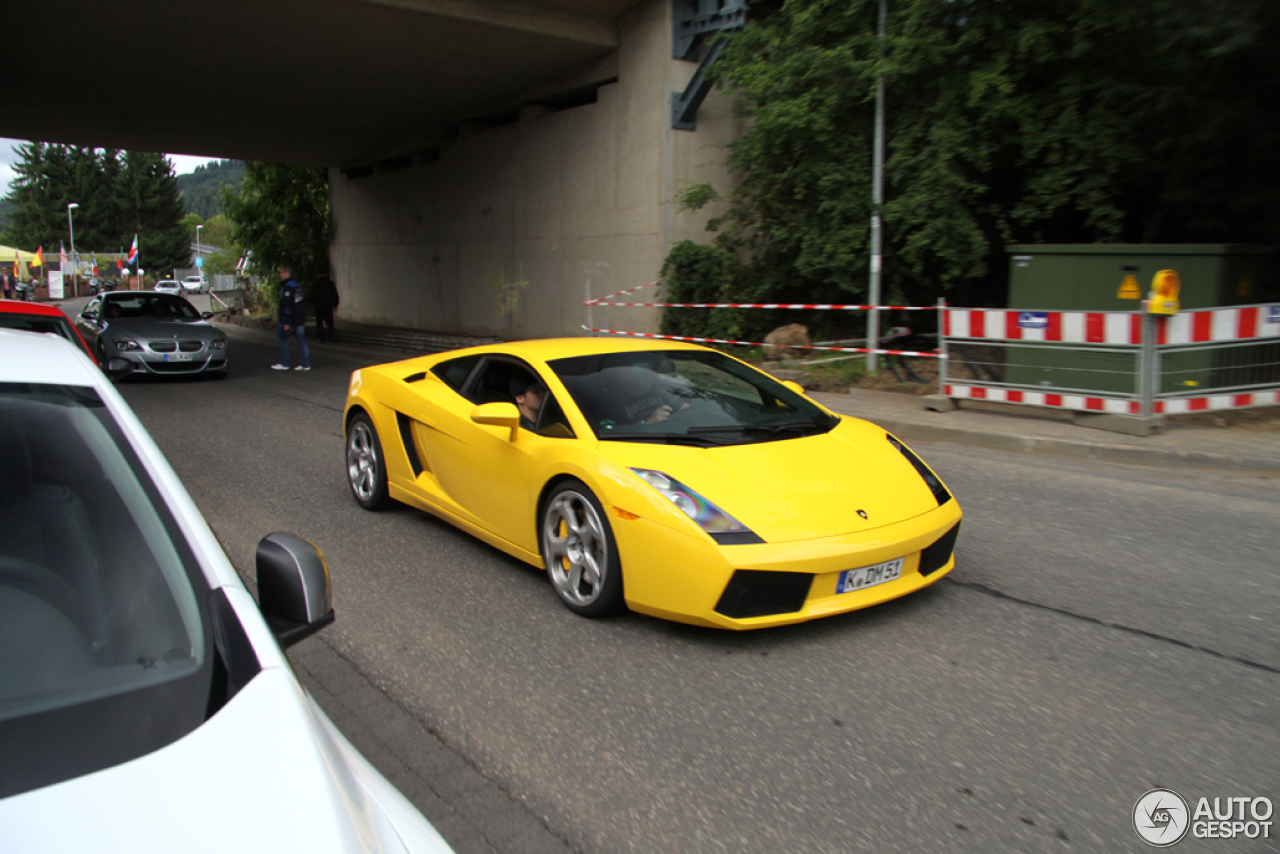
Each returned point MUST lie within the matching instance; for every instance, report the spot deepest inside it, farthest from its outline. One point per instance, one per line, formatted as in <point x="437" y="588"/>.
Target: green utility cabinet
<point x="1090" y="277"/>
<point x="1117" y="277"/>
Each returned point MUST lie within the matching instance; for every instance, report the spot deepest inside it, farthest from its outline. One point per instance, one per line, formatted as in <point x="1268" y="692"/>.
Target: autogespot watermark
<point x="1162" y="818"/>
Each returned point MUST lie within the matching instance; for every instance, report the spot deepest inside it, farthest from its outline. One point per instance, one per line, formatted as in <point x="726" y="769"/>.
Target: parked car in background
<point x="193" y="284"/>
<point x="146" y="703"/>
<point x="169" y="286"/>
<point x="40" y="317"/>
<point x="157" y="333"/>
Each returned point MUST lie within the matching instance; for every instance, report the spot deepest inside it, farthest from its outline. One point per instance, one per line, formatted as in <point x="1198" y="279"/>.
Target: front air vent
<point x="935" y="557"/>
<point x="761" y="593"/>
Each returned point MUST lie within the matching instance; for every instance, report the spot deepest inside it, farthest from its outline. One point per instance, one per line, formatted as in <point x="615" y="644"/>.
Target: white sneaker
<point x="279" y="367"/>
<point x="302" y="368"/>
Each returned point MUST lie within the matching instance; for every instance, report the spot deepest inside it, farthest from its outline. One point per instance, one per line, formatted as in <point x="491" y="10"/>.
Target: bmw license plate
<point x="179" y="357"/>
<point x="869" y="576"/>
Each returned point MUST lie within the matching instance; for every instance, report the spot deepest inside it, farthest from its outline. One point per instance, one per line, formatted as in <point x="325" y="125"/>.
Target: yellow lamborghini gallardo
<point x="666" y="478"/>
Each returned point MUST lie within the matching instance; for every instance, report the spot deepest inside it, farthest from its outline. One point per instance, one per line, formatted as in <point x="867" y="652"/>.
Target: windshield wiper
<point x="796" y="425"/>
<point x="660" y="438"/>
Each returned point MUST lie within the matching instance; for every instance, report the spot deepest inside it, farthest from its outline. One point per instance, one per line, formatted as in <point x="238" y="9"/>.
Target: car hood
<point x="151" y="328"/>
<point x="795" y="489"/>
<point x="267" y="773"/>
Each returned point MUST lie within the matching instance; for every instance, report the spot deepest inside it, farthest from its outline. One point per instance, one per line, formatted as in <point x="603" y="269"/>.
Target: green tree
<point x="282" y="216"/>
<point x="119" y="195"/>
<point x="1009" y="121"/>
<point x="217" y="232"/>
<point x="153" y="210"/>
<point x="202" y="188"/>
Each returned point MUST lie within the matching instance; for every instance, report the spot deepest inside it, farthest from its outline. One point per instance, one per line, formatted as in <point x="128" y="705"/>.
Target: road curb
<point x="1069" y="449"/>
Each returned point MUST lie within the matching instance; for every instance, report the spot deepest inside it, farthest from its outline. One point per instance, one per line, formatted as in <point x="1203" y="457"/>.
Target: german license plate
<point x="179" y="357"/>
<point x="869" y="576"/>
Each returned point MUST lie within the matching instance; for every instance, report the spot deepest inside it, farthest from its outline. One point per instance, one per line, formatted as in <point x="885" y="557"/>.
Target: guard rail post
<point x="1148" y="366"/>
<point x="942" y="347"/>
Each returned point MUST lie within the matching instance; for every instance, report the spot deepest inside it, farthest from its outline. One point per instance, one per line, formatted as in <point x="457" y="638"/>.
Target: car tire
<point x="366" y="466"/>
<point x="580" y="552"/>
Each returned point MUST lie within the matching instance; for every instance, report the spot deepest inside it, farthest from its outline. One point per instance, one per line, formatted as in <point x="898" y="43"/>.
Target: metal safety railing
<point x="1129" y="363"/>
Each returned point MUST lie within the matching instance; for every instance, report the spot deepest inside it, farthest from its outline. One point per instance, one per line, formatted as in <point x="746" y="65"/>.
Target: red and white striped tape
<point x="603" y="301"/>
<point x="1079" y="402"/>
<point x="761" y="344"/>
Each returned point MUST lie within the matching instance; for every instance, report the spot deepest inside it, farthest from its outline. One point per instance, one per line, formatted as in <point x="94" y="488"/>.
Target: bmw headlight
<point x="123" y="344"/>
<point x="722" y="527"/>
<point x="218" y="344"/>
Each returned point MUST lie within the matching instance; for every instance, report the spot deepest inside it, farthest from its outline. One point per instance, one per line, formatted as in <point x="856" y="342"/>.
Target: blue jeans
<point x="283" y="338"/>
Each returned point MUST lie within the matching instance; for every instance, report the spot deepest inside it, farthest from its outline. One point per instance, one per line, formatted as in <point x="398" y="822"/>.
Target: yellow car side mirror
<point x="499" y="414"/>
<point x="794" y="386"/>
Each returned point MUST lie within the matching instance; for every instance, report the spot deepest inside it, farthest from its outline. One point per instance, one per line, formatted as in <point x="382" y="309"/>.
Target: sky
<point x="182" y="164"/>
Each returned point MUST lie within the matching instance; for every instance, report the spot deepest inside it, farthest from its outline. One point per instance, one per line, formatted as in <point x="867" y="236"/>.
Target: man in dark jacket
<point x="293" y="319"/>
<point x="324" y="299"/>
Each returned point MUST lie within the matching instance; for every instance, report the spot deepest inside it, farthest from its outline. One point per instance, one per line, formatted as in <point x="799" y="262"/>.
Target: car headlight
<point x="940" y="493"/>
<point x="218" y="344"/>
<point x="722" y="527"/>
<point x="123" y="344"/>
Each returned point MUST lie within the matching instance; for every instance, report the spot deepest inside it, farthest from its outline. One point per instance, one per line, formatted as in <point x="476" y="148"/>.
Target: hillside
<point x="201" y="190"/>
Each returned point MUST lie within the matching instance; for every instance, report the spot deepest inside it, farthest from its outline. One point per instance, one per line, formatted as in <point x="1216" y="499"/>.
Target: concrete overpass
<point x="492" y="162"/>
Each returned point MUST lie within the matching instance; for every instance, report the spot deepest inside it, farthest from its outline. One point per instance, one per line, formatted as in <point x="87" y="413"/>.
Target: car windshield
<point x="103" y="639"/>
<point x="688" y="397"/>
<point x="40" y="323"/>
<point x="149" y="305"/>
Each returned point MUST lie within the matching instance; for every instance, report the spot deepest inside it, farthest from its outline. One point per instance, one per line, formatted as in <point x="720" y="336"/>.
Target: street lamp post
<point x="75" y="275"/>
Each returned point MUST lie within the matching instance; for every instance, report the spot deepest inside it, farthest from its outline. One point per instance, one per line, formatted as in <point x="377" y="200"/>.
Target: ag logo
<point x="1161" y="817"/>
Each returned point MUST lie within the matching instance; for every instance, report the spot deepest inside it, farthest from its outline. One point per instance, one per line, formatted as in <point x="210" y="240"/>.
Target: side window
<point x="94" y="306"/>
<point x="552" y="422"/>
<point x="455" y="371"/>
<point x="497" y="381"/>
<point x="509" y="381"/>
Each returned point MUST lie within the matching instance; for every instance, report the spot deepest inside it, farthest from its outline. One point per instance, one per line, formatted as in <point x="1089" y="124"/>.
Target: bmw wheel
<point x="580" y="552"/>
<point x="366" y="471"/>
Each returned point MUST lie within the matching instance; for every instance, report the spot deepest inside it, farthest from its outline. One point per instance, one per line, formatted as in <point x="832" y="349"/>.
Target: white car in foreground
<point x="146" y="704"/>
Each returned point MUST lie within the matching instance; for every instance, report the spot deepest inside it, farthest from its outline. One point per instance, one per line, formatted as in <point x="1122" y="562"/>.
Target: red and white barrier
<point x="1068" y="327"/>
<point x="1077" y="402"/>
<point x="1213" y="402"/>
<point x="1221" y="324"/>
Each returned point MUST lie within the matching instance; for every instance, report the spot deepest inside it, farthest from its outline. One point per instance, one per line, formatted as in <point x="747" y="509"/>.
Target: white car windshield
<point x="685" y="397"/>
<point x="104" y="646"/>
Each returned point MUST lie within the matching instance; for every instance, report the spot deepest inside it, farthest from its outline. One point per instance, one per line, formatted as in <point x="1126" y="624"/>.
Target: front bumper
<point x="680" y="577"/>
<point x="161" y="364"/>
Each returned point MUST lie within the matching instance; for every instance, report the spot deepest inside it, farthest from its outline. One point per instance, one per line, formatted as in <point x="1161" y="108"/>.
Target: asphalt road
<point x="1108" y="630"/>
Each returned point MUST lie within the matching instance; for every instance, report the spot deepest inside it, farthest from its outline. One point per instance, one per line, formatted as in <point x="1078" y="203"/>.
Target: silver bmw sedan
<point x="159" y="333"/>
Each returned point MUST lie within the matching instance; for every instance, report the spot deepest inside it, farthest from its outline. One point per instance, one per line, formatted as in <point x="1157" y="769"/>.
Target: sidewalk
<point x="1190" y="441"/>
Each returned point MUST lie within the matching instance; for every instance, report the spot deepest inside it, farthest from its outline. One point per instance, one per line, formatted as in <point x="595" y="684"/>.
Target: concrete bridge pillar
<point x="566" y="195"/>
